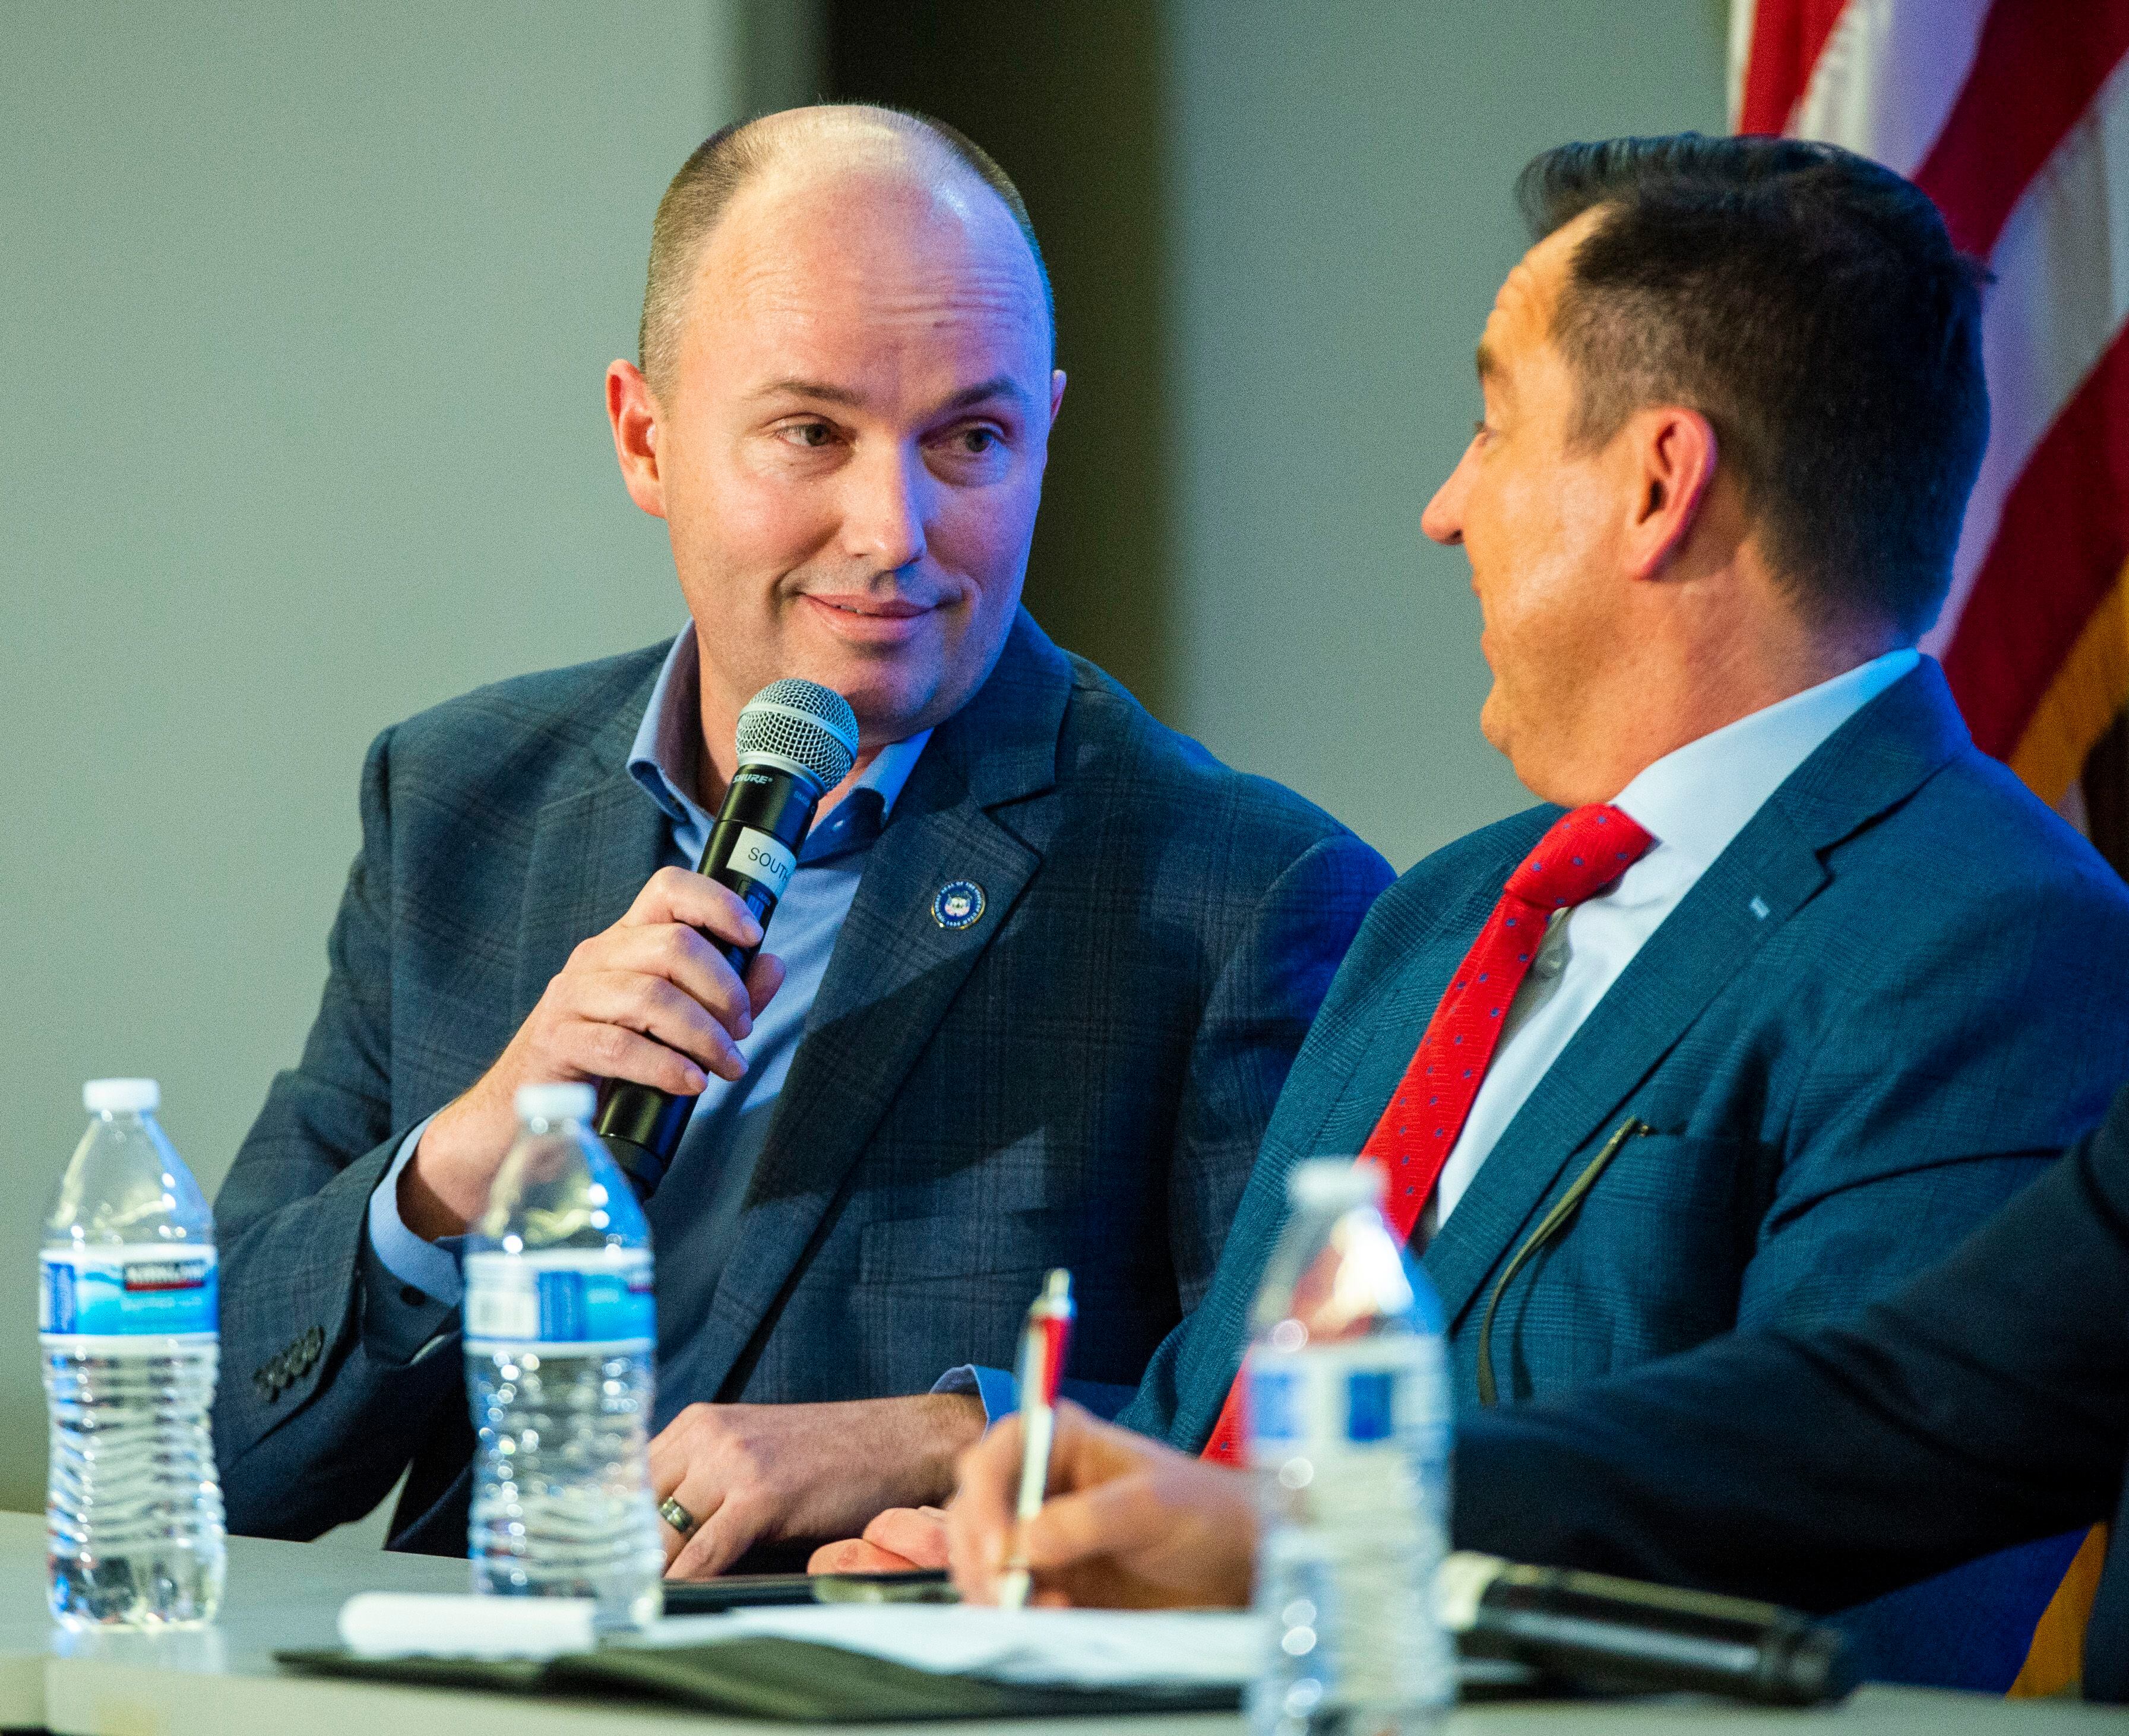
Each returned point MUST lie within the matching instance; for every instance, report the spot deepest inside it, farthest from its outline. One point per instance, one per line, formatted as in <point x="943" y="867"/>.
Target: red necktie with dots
<point x="1585" y="850"/>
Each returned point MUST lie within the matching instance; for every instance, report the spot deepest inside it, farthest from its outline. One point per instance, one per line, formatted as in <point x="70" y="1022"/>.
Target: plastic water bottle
<point x="1347" y="1412"/>
<point x="559" y="1327"/>
<point x="127" y="1324"/>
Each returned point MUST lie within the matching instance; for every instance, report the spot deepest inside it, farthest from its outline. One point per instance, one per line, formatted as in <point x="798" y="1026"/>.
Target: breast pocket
<point x="1652" y="1263"/>
<point x="965" y="1248"/>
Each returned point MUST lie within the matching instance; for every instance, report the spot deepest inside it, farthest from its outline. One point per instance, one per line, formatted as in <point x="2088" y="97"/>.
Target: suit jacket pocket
<point x="1651" y="1264"/>
<point x="1675" y="1175"/>
<point x="1017" y="1245"/>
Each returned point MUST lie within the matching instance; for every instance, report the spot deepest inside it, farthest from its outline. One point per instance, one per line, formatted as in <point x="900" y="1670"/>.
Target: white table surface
<point x="223" y="1682"/>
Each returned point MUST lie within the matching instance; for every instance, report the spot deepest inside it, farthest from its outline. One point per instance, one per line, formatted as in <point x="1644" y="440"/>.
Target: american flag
<point x="2014" y="117"/>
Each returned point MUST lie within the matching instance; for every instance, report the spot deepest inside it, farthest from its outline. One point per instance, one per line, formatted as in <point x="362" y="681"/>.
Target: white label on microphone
<point x="760" y="857"/>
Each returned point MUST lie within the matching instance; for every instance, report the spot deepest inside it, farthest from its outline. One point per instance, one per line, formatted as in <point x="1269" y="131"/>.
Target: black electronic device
<point x="749" y="1590"/>
<point x="797" y="740"/>
<point x="1594" y="1630"/>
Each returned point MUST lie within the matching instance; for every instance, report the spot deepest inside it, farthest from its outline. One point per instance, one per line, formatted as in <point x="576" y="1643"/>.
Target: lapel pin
<point x="959" y="904"/>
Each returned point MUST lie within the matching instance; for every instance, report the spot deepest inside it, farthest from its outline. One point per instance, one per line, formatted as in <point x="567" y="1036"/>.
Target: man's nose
<point x="884" y="510"/>
<point x="1443" y="521"/>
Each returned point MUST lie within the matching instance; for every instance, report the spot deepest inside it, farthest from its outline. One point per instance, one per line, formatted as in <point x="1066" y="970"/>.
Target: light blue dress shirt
<point x="724" y="1139"/>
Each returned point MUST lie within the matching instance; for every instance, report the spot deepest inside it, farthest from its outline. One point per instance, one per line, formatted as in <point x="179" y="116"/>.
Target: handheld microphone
<point x="797" y="740"/>
<point x="1593" y="1629"/>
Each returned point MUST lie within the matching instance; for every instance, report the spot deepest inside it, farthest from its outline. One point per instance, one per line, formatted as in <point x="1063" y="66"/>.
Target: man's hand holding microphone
<point x="649" y="1000"/>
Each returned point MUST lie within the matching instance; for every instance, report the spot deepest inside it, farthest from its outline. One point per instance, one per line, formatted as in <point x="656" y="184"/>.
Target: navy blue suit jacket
<point x="1881" y="1012"/>
<point x="1985" y="1402"/>
<point x="1080" y="1078"/>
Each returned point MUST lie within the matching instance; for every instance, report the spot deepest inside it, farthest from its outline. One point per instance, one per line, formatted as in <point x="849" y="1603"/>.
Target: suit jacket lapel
<point x="592" y="851"/>
<point x="894" y="972"/>
<point x="591" y="854"/>
<point x="1374" y="1036"/>
<point x="1876" y="759"/>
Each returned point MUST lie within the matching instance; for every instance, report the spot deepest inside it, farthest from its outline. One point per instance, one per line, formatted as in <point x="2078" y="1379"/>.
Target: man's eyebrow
<point x="998" y="386"/>
<point x="1003" y="385"/>
<point x="812" y="389"/>
<point x="1488" y="367"/>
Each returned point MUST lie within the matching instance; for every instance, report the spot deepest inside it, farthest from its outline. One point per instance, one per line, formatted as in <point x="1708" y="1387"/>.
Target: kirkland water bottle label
<point x="1343" y="1398"/>
<point x="148" y="1290"/>
<point x="559" y="1300"/>
<point x="1352" y="1439"/>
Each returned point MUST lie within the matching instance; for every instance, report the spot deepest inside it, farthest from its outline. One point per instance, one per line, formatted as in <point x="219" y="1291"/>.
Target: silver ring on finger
<point x="678" y="1516"/>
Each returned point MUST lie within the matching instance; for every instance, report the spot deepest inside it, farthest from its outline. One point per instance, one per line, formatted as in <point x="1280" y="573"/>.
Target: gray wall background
<point x="1339" y="219"/>
<point x="303" y="315"/>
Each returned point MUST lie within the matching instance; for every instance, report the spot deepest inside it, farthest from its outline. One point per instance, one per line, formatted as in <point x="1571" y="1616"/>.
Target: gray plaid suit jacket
<point x="1080" y="1078"/>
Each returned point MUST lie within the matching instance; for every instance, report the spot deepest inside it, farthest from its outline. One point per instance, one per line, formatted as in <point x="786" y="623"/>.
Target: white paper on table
<point x="1085" y="1648"/>
<point x="1079" y="1648"/>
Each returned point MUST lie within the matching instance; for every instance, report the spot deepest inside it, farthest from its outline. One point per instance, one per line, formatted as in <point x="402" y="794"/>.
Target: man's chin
<point x="1493" y="724"/>
<point x="897" y="690"/>
<point x="893" y="696"/>
<point x="1501" y="736"/>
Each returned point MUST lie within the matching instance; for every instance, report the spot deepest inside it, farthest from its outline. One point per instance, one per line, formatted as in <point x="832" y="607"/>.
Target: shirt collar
<point x="1697" y="798"/>
<point x="668" y="746"/>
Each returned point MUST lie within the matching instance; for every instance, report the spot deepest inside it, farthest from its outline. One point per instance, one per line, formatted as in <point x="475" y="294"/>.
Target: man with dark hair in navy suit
<point x="1984" y="1403"/>
<point x="1031" y="990"/>
<point x="1786" y="987"/>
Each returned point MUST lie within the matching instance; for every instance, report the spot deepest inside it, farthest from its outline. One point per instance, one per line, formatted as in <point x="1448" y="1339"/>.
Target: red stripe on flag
<point x="2061" y="546"/>
<point x="2037" y="68"/>
<point x="1787" y="37"/>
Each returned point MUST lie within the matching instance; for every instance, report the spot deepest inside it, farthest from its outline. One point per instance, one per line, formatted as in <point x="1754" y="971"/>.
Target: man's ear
<point x="1673" y="451"/>
<point x="633" y="413"/>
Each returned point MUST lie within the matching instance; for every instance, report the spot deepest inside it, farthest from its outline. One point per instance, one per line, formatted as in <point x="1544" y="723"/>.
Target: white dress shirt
<point x="1693" y="803"/>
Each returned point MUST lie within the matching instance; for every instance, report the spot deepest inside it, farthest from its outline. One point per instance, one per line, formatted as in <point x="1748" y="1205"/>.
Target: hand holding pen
<point x="1129" y="1523"/>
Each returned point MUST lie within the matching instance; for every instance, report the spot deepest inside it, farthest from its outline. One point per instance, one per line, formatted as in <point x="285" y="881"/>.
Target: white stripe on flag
<point x="1742" y="12"/>
<point x="1888" y="76"/>
<point x="2061" y="293"/>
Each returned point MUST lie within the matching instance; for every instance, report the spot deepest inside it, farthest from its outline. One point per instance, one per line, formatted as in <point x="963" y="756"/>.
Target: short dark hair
<point x="730" y="157"/>
<point x="1810" y="304"/>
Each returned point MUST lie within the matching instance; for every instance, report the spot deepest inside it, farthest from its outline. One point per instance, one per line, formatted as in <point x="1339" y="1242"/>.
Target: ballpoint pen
<point x="1042" y="1349"/>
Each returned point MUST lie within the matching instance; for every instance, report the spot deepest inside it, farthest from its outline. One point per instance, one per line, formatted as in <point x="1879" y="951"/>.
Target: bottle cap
<point x="121" y="1097"/>
<point x="554" y="1103"/>
<point x="1332" y="1184"/>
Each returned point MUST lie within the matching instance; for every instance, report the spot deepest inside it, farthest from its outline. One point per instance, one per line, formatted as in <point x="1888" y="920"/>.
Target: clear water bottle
<point x="127" y="1324"/>
<point x="1347" y="1411"/>
<point x="559" y="1327"/>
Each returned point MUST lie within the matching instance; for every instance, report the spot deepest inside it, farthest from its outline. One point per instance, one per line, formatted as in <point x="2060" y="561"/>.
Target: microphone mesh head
<point x="804" y="724"/>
